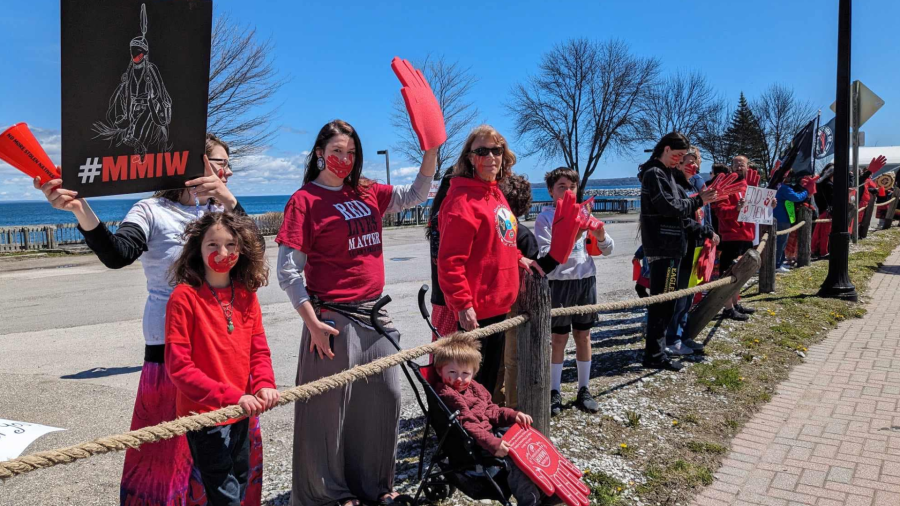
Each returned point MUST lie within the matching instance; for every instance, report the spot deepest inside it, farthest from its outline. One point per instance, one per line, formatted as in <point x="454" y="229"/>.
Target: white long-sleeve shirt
<point x="580" y="264"/>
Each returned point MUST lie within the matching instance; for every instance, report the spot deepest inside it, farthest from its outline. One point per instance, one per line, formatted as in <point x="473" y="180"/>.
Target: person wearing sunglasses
<point x="152" y="231"/>
<point x="478" y="259"/>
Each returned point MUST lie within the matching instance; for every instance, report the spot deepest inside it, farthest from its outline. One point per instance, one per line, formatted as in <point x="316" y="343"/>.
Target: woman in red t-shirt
<point x="478" y="261"/>
<point x="345" y="440"/>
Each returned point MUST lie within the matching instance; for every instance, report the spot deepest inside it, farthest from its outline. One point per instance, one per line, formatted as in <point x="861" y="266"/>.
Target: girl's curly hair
<point x="251" y="269"/>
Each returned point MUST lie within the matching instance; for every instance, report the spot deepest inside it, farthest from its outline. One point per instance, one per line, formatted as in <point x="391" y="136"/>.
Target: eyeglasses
<point x="498" y="151"/>
<point x="221" y="162"/>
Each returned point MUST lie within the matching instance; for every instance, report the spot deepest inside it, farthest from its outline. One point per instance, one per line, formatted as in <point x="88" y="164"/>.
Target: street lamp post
<point x="837" y="284"/>
<point x="387" y="164"/>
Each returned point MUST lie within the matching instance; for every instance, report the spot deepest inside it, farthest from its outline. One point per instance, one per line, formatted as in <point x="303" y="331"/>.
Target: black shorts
<point x="731" y="250"/>
<point x="569" y="293"/>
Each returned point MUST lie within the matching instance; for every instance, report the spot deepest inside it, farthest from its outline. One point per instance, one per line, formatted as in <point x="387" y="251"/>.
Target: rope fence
<point x="787" y="231"/>
<point x="180" y="426"/>
<point x="886" y="202"/>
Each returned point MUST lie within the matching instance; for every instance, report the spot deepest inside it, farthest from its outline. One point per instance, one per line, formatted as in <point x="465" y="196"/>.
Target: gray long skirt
<point x="345" y="441"/>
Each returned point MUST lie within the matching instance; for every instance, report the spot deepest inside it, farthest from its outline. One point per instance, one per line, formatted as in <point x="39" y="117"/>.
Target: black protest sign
<point x="135" y="81"/>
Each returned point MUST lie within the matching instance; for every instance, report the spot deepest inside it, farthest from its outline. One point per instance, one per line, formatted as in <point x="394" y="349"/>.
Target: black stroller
<point x="458" y="462"/>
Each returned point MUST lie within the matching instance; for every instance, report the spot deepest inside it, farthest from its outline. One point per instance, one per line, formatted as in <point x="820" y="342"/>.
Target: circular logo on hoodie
<point x="506" y="225"/>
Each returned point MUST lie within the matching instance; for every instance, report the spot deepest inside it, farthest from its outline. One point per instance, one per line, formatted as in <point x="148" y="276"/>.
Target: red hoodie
<point x="478" y="258"/>
<point x="730" y="229"/>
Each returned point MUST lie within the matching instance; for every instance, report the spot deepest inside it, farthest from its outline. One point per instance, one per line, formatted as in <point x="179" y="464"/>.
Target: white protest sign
<point x="757" y="206"/>
<point x="16" y="436"/>
<point x="434" y="188"/>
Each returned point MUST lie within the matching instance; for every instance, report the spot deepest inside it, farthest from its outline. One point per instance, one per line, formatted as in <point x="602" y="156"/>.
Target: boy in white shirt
<point x="571" y="284"/>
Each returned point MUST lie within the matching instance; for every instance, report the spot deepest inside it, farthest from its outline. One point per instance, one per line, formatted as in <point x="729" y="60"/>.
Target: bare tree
<point x="451" y="84"/>
<point x="582" y="102"/>
<point x="710" y="135"/>
<point x="242" y="81"/>
<point x="781" y="115"/>
<point x="681" y="102"/>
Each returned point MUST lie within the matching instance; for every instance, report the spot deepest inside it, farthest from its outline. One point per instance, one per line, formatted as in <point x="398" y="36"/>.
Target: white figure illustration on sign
<point x="140" y="109"/>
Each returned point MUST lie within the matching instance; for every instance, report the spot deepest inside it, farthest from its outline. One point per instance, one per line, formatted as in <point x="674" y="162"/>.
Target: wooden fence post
<point x="769" y="254"/>
<point x="867" y="218"/>
<point x="714" y="301"/>
<point x="533" y="342"/>
<point x="804" y="236"/>
<point x="891" y="208"/>
<point x="51" y="236"/>
<point x="26" y="241"/>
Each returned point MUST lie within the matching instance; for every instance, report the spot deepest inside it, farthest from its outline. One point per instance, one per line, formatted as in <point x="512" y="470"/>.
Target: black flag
<point x="799" y="155"/>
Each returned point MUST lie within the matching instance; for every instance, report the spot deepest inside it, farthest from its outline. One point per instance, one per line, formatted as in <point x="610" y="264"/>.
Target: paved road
<point x="71" y="350"/>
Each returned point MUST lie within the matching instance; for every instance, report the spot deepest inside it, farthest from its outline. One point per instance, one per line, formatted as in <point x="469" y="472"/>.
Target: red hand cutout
<point x="876" y="164"/>
<point x="424" y="110"/>
<point x="567" y="220"/>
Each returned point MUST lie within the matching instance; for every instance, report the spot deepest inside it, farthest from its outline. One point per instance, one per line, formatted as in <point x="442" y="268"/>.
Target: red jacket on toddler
<point x="477" y="413"/>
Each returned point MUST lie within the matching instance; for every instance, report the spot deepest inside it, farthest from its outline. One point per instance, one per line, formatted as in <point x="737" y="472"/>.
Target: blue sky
<point x="338" y="55"/>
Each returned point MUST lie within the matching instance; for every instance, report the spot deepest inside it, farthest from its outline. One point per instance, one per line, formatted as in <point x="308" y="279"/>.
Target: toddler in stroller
<point x="456" y="364"/>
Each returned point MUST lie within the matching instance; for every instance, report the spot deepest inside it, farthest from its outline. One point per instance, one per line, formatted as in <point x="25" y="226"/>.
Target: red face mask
<point x="221" y="264"/>
<point x="339" y="168"/>
<point x="138" y="58"/>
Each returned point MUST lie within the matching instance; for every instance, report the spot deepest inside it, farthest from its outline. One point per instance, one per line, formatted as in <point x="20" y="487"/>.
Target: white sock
<point x="556" y="377"/>
<point x="584" y="372"/>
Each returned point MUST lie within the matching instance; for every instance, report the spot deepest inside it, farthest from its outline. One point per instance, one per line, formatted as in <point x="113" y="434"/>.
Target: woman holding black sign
<point x="160" y="473"/>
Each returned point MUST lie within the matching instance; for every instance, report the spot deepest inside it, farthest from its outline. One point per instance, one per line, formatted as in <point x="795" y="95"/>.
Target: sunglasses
<point x="498" y="151"/>
<point x="221" y="162"/>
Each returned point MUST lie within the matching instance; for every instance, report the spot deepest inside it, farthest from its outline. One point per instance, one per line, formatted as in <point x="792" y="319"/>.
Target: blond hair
<point x="464" y="167"/>
<point x="462" y="350"/>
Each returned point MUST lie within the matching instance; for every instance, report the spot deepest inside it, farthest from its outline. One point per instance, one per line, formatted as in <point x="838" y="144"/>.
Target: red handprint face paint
<point x="338" y="167"/>
<point x="221" y="264"/>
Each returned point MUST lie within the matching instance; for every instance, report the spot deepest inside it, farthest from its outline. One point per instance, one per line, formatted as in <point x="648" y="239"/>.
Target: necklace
<point x="226" y="308"/>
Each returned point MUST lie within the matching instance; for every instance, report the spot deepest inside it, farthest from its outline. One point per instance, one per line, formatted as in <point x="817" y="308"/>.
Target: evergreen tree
<point x="745" y="137"/>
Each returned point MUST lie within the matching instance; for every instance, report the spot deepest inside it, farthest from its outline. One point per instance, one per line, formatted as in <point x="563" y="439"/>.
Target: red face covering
<point x="339" y="168"/>
<point x="138" y="58"/>
<point x="221" y="264"/>
<point x="691" y="169"/>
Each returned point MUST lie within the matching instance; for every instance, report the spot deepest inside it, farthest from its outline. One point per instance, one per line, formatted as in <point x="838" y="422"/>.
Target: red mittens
<point x="876" y="164"/>
<point x="752" y="177"/>
<point x="567" y="222"/>
<point x="706" y="261"/>
<point x="424" y="110"/>
<point x="536" y="456"/>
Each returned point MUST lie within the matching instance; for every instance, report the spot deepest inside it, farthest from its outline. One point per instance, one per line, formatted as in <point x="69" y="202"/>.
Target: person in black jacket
<point x="663" y="211"/>
<point x="697" y="233"/>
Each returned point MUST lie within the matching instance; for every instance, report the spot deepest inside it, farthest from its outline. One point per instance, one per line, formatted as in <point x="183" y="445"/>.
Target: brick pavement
<point x="831" y="434"/>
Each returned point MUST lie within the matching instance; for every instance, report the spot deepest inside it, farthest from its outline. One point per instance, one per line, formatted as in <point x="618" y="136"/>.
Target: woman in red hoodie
<point x="478" y="261"/>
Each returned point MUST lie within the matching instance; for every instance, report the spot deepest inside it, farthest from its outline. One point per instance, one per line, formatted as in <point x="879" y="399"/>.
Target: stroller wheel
<point x="437" y="492"/>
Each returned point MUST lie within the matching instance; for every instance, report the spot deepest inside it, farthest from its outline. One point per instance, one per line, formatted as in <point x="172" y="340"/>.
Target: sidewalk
<point x="831" y="434"/>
